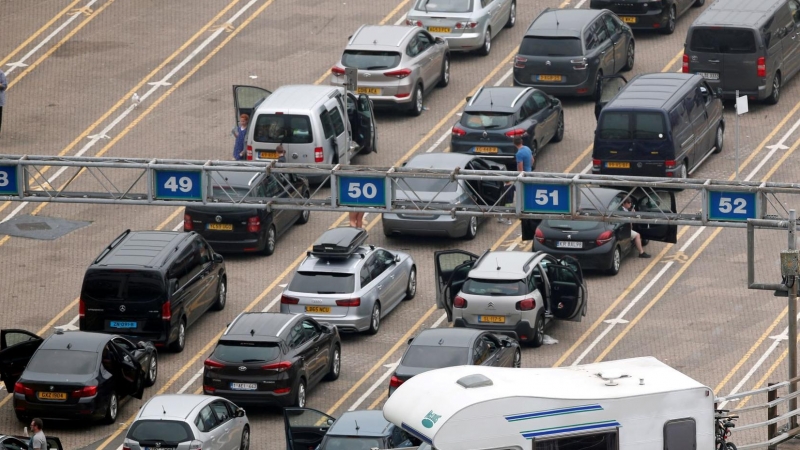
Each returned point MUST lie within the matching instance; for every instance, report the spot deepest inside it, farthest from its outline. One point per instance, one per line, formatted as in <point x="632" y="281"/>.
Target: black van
<point x="658" y="125"/>
<point x="151" y="285"/>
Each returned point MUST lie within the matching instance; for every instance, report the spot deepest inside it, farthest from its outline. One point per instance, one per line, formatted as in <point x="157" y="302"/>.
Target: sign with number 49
<point x="178" y="185"/>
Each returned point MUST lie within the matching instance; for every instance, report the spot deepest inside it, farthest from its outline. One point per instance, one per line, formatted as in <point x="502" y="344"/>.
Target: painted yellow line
<point x="384" y="395"/>
<point x="766" y="376"/>
<point x="393" y="12"/>
<point x="168" y="219"/>
<point x="38" y="32"/>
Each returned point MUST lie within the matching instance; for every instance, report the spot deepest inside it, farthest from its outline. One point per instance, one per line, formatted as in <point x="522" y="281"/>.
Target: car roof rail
<point x="524" y="91"/>
<point x="480" y="258"/>
<point x="350" y="41"/>
<point x="528" y="262"/>
<point x="111" y="246"/>
<point x="472" y="100"/>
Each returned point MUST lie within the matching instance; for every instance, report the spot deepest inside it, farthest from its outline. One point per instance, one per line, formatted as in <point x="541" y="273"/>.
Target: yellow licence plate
<point x="618" y="165"/>
<point x="492" y="319"/>
<point x="628" y="19"/>
<point x="318" y="309"/>
<point x="485" y="149"/>
<point x="369" y="91"/>
<point x="268" y="155"/>
<point x="439" y="29"/>
<point x="549" y="77"/>
<point x="220" y="226"/>
<point x="52" y="395"/>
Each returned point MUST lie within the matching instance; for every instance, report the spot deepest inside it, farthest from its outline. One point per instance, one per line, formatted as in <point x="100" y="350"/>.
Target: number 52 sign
<point x="361" y="191"/>
<point x="732" y="206"/>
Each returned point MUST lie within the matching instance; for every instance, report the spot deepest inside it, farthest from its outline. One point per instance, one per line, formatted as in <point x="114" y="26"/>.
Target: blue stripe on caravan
<point x="416" y="433"/>
<point x="553" y="412"/>
<point x="570" y="429"/>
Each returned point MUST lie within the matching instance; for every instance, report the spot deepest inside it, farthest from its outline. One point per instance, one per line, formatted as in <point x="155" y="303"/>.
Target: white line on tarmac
<point x="773" y="148"/>
<point x="401" y="20"/>
<point x="580" y="3"/>
<point x="191" y="381"/>
<point x="178" y="226"/>
<point x="272" y="303"/>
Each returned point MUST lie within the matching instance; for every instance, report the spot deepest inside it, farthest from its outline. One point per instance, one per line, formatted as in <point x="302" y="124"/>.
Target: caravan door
<point x="451" y="269"/>
<point x="305" y="427"/>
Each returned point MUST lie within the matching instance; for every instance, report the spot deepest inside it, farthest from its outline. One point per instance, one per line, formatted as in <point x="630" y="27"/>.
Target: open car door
<point x="305" y="427"/>
<point x="451" y="269"/>
<point x="366" y="131"/>
<point x="246" y="99"/>
<point x="567" y="292"/>
<point x="129" y="374"/>
<point x="489" y="190"/>
<point x="656" y="202"/>
<point x="609" y="87"/>
<point x="16" y="350"/>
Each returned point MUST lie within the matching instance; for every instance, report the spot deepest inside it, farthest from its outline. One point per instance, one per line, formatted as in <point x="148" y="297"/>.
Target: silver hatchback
<point x="397" y="65"/>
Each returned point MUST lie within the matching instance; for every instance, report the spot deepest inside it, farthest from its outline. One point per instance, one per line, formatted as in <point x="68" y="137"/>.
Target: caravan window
<point x="595" y="441"/>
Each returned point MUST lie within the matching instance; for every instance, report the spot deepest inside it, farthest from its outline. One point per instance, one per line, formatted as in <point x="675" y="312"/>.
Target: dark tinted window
<point x="131" y="286"/>
<point x="286" y="128"/>
<point x="70" y="362"/>
<point x="370" y="60"/>
<point x="574" y="225"/>
<point x="426" y="185"/>
<point x="244" y="352"/>
<point x="541" y="46"/>
<point x="494" y="287"/>
<point x="625" y="125"/>
<point x="160" y="430"/>
<point x="723" y="40"/>
<point x="430" y="357"/>
<point x="338" y="124"/>
<point x="351" y="443"/>
<point x="323" y="283"/>
<point x="327" y="125"/>
<point x="487" y="120"/>
<point x="444" y="5"/>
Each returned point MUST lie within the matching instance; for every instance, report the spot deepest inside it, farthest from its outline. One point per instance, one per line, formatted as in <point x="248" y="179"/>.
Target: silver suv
<point x="513" y="293"/>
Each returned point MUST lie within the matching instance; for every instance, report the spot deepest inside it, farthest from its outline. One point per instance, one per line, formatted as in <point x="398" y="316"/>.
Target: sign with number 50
<point x="361" y="191"/>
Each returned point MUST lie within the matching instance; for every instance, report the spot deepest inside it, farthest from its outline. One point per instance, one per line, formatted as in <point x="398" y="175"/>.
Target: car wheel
<point x="517" y="358"/>
<point x="699" y="3"/>
<point x="670" y="27"/>
<point x="684" y="174"/>
<point x="776" y="90"/>
<point x="375" y="319"/>
<point x="719" y="139"/>
<point x="179" y="343"/>
<point x="112" y="409"/>
<point x="512" y="16"/>
<point x="269" y="241"/>
<point x="597" y="90"/>
<point x="416" y="102"/>
<point x="300" y="396"/>
<point x="306" y="214"/>
<point x="152" y="371"/>
<point x="445" y="80"/>
<point x="559" y="136"/>
<point x="411" y="287"/>
<point x="616" y="261"/>
<point x="245" y="445"/>
<point x="335" y="367"/>
<point x="538" y="331"/>
<point x="472" y="228"/>
<point x="534" y="151"/>
<point x="487" y="43"/>
<point x="222" y="294"/>
<point x="631" y="57"/>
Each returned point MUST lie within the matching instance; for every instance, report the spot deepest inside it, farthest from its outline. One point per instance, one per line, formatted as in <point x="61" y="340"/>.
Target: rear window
<point x="323" y="283"/>
<point x="723" y="40"/>
<point x="426" y="185"/>
<point x="70" y="362"/>
<point x="574" y="225"/>
<point x="160" y="430"/>
<point x="541" y="46"/>
<point x="246" y="352"/>
<point x="130" y="287"/>
<point x="351" y="443"/>
<point x="283" y="128"/>
<point x="494" y="287"/>
<point x="456" y="6"/>
<point x="370" y="60"/>
<point x="487" y="120"/>
<point x="429" y="357"/>
<point x="629" y="125"/>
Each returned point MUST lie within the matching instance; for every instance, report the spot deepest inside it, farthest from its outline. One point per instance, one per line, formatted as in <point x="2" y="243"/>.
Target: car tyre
<point x="719" y="140"/>
<point x="445" y="80"/>
<point x="698" y="3"/>
<point x="179" y="343"/>
<point x="517" y="363"/>
<point x="512" y="16"/>
<point x="335" y="367"/>
<point x="671" y="18"/>
<point x="222" y="294"/>
<point x="472" y="228"/>
<point x="245" y="443"/>
<point x="538" y="331"/>
<point x="534" y="151"/>
<point x="486" y="48"/>
<point x="616" y="261"/>
<point x="152" y="370"/>
<point x="630" y="59"/>
<point x="300" y="394"/>
<point x="775" y="96"/>
<point x="597" y="90"/>
<point x="684" y="174"/>
<point x="417" y="101"/>
<point x="270" y="238"/>
<point x="411" y="287"/>
<point x="559" y="136"/>
<point x="306" y="215"/>
<point x="111" y="409"/>
<point x="375" y="319"/>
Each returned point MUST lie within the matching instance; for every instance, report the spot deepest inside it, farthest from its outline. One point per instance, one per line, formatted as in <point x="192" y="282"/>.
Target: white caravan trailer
<point x="631" y="404"/>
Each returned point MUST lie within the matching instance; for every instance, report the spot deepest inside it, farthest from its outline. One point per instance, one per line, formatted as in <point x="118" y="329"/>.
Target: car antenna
<point x="497" y="263"/>
<point x="69" y="346"/>
<point x="425" y="6"/>
<point x="491" y="102"/>
<point x="163" y="411"/>
<point x="555" y="12"/>
<point x="252" y="332"/>
<point x="357" y="427"/>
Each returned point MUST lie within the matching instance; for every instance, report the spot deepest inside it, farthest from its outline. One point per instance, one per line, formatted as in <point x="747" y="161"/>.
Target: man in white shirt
<point x="627" y="205"/>
<point x="38" y="441"/>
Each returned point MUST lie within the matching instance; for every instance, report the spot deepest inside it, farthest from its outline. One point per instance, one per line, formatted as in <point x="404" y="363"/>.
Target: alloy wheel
<point x="412" y="283"/>
<point x="153" y="370"/>
<point x="517" y="359"/>
<point x="337" y="361"/>
<point x="112" y="407"/>
<point x="223" y="293"/>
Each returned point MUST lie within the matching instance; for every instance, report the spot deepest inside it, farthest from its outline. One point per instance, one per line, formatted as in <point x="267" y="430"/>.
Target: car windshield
<point x="430" y="357"/>
<point x="160" y="430"/>
<point x="477" y="286"/>
<point x="370" y="60"/>
<point x="350" y="443"/>
<point x="487" y="120"/>
<point x="236" y="192"/>
<point x="631" y="125"/>
<point x="130" y="287"/>
<point x="66" y="362"/>
<point x="455" y="6"/>
<point x="283" y="128"/>
<point x="323" y="283"/>
<point x="426" y="185"/>
<point x="723" y="40"/>
<point x="245" y="352"/>
<point x="547" y="46"/>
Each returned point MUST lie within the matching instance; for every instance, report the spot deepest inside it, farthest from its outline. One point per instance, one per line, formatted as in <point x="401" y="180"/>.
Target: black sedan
<point x="21" y="442"/>
<point x="74" y="375"/>
<point x="229" y="229"/>
<point x="272" y="359"/>
<point x="602" y="245"/>
<point x="436" y="348"/>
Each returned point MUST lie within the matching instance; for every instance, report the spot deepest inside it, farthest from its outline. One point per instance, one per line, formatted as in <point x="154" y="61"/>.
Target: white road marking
<point x="580" y="3"/>
<point x="587" y="168"/>
<point x="178" y="226"/>
<point x="191" y="381"/>
<point x="272" y="303"/>
<point x="401" y="19"/>
<point x="70" y="326"/>
<point x="773" y="148"/>
<point x="439" y="321"/>
<point x="504" y="77"/>
<point x="375" y="385"/>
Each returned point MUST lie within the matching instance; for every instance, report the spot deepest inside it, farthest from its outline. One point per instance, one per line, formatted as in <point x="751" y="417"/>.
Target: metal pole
<point x="792" y="324"/>
<point x="346" y="130"/>
<point x="772" y="412"/>
<point x="737" y="134"/>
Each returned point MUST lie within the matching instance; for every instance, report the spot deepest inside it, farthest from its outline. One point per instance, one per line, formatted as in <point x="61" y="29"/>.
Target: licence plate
<point x="318" y="309"/>
<point x="549" y="77"/>
<point x="485" y="149"/>
<point x="244" y="386"/>
<point x="618" y="165"/>
<point x="52" y="395"/>
<point x="439" y="29"/>
<point x="492" y="319"/>
<point x="268" y="155"/>
<point x="369" y="91"/>
<point x="569" y="244"/>
<point x="115" y="324"/>
<point x="159" y="448"/>
<point x="628" y="19"/>
<point x="709" y="75"/>
<point x="220" y="226"/>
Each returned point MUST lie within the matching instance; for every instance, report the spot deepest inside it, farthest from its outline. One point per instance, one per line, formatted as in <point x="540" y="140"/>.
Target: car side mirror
<point x="218" y="258"/>
<point x="506" y="344"/>
<point x="440" y="40"/>
<point x="410" y="340"/>
<point x="468" y="99"/>
<point x="719" y="92"/>
<point x="330" y="422"/>
<point x="141" y="345"/>
<point x="239" y="412"/>
<point x="173" y="285"/>
<point x="396" y="258"/>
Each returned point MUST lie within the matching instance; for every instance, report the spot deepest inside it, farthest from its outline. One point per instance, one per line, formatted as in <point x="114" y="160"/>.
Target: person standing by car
<point x="627" y="205"/>
<point x="38" y="440"/>
<point x="3" y="87"/>
<point x="524" y="159"/>
<point x="239" y="132"/>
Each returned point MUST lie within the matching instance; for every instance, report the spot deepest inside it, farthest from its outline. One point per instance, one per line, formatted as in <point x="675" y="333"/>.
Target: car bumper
<point x="355" y="320"/>
<point x="254" y="398"/>
<point x="760" y="93"/>
<point x="463" y="42"/>
<point x="599" y="258"/>
<point x="650" y="20"/>
<point x="522" y="331"/>
<point x="434" y="225"/>
<point x="240" y="246"/>
<point x="585" y="88"/>
<point x="85" y="408"/>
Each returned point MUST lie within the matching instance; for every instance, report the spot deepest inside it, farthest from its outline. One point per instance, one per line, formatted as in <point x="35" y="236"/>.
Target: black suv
<point x="151" y="285"/>
<point x="495" y="115"/>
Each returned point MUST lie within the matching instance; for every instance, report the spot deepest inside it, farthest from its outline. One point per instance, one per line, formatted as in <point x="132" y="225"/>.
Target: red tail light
<point x="125" y="447"/>
<point x="285" y="390"/>
<point x="515" y="132"/>
<point x="209" y="389"/>
<point x="86" y="391"/>
<point x="20" y="388"/>
<point x="81" y="308"/>
<point x="337" y="70"/>
<point x="249" y="152"/>
<point x="282" y="366"/>
<point x="349" y="302"/>
<point x="526" y="305"/>
<point x="669" y="164"/>
<point x="412" y="23"/>
<point x="685" y="66"/>
<point x="458" y="131"/>
<point x="319" y="156"/>
<point x="395" y="382"/>
<point x="761" y="67"/>
<point x="539" y="236"/>
<point x="466" y="25"/>
<point x="402" y="73"/>
<point x="459" y="302"/>
<point x="187" y="222"/>
<point x="286" y="300"/>
<point x="166" y="311"/>
<point x="519" y="62"/>
<point x="604" y="238"/>
<point x="211" y="364"/>
<point x="596" y="164"/>
<point x="253" y="224"/>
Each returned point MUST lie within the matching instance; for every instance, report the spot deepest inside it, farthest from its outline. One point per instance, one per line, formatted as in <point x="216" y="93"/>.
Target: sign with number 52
<point x="361" y="191"/>
<point x="732" y="206"/>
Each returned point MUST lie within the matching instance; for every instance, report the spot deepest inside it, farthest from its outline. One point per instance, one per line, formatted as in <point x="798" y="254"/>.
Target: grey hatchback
<point x="567" y="52"/>
<point x="309" y="429"/>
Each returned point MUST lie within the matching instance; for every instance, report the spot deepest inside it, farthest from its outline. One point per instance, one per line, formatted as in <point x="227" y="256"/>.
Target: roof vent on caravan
<point x="474" y="381"/>
<point x="610" y="377"/>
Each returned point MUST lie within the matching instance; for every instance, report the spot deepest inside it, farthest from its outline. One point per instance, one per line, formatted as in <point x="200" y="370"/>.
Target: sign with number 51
<point x="546" y="199"/>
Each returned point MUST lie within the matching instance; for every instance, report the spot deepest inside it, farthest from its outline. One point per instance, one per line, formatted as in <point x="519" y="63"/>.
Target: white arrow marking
<point x="16" y="64"/>
<point x="774" y="148"/>
<point x="779" y="337"/>
<point x="70" y="326"/>
<point x="615" y="321"/>
<point x="376" y="385"/>
<point x="253" y="77"/>
<point x="97" y="137"/>
<point x="777" y="147"/>
<point x="160" y="83"/>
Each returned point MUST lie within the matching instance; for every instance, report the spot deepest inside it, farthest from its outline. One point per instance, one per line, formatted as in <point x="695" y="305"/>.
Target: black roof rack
<point x="339" y="242"/>
<point x="111" y="246"/>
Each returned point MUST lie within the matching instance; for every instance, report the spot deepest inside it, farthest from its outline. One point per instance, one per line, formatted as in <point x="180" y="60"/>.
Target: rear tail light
<point x="459" y="302"/>
<point x="196" y="445"/>
<point x="402" y="73"/>
<point x="539" y="236"/>
<point x="20" y="388"/>
<point x="282" y="366"/>
<point x="187" y="222"/>
<point x="286" y="300"/>
<point x="413" y="23"/>
<point x="604" y="238"/>
<point x="319" y="156"/>
<point x="126" y="446"/>
<point x="166" y="311"/>
<point x="515" y="132"/>
<point x="253" y="224"/>
<point x="285" y="390"/>
<point x="669" y="164"/>
<point x="349" y="302"/>
<point x="526" y="305"/>
<point x="86" y="391"/>
<point x="685" y="66"/>
<point x="761" y="67"/>
<point x="466" y="25"/>
<point x="519" y="62"/>
<point x="249" y="152"/>
<point x="336" y="70"/>
<point x="458" y="131"/>
<point x="209" y="389"/>
<point x="596" y="164"/>
<point x="579" y="64"/>
<point x="82" y="308"/>
<point x="395" y="382"/>
<point x="211" y="364"/>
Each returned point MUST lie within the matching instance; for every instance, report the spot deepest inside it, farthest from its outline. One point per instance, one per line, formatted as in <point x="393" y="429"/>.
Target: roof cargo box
<point x="339" y="242"/>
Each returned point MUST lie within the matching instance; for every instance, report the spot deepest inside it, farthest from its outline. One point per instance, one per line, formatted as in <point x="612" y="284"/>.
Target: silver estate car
<point x="184" y="422"/>
<point x="348" y="284"/>
<point x="465" y="24"/>
<point x="397" y="65"/>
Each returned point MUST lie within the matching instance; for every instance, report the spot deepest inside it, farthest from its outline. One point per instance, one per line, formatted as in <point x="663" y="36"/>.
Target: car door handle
<point x="316" y="349"/>
<point x="380" y="286"/>
<point x="715" y="61"/>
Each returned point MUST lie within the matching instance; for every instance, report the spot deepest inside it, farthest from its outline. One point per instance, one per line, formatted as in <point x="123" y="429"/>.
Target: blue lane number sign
<point x="362" y="191"/>
<point x="8" y="180"/>
<point x="731" y="206"/>
<point x="178" y="185"/>
<point x="546" y="198"/>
